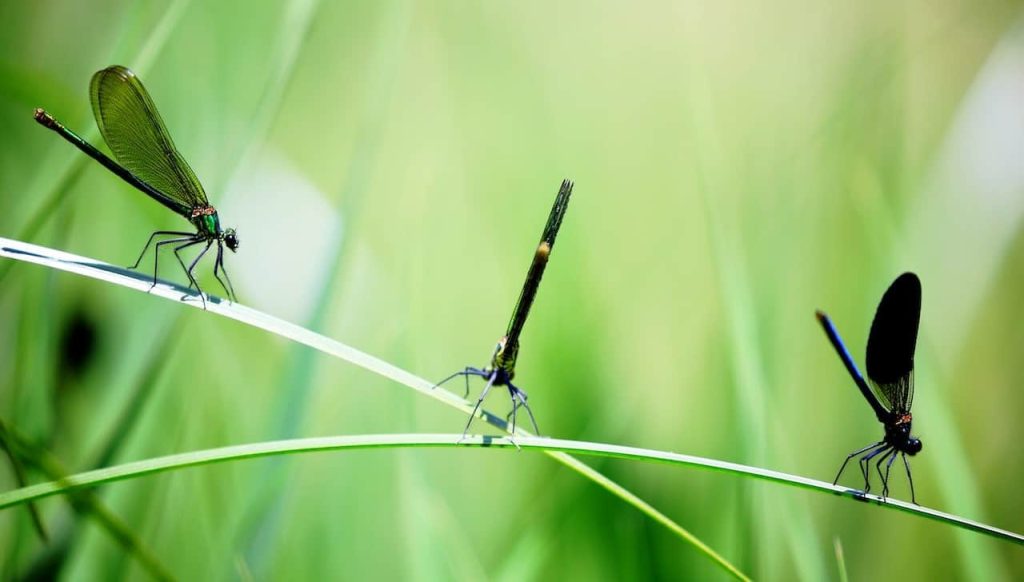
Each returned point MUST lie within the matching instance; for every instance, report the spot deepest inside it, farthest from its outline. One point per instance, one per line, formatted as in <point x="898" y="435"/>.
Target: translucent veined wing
<point x="891" y="344"/>
<point x="540" y="260"/>
<point x="136" y="134"/>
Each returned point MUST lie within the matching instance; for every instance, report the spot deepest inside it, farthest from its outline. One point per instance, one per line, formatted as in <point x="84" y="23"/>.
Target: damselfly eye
<point x="231" y="239"/>
<point x="914" y="446"/>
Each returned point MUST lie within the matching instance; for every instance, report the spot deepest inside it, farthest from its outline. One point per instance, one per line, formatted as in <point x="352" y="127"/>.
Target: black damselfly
<point x="890" y="364"/>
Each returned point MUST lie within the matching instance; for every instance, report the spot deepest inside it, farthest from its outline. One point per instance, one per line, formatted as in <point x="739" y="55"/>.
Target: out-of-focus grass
<point x="838" y="160"/>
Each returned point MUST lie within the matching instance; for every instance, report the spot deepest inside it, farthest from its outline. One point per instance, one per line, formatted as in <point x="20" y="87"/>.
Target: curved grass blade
<point x="840" y="559"/>
<point x="127" y="278"/>
<point x="48" y="209"/>
<point x="86" y="503"/>
<point x="14" y="457"/>
<point x="355" y="442"/>
<point x="59" y="551"/>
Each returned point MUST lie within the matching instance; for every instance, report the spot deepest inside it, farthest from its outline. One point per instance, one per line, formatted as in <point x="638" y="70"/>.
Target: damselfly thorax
<point x="504" y="361"/>
<point x="207" y="222"/>
<point x="897" y="434"/>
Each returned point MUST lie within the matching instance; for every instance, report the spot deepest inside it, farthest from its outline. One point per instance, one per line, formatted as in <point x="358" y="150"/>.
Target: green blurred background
<point x="389" y="166"/>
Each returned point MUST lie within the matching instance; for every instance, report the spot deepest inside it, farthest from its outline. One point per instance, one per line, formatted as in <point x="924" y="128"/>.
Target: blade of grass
<point x="152" y="466"/>
<point x="975" y="178"/>
<point x="158" y="35"/>
<point x="143" y="385"/>
<point x="120" y="276"/>
<point x="86" y="503"/>
<point x="840" y="559"/>
<point x="59" y="550"/>
<point x="19" y="476"/>
<point x="431" y="529"/>
<point x="48" y="209"/>
<point x="716" y="180"/>
<point x="259" y="532"/>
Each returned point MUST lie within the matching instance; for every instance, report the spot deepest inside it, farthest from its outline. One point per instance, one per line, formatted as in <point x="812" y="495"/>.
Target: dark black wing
<point x="540" y="261"/>
<point x="134" y="131"/>
<point x="890" y="357"/>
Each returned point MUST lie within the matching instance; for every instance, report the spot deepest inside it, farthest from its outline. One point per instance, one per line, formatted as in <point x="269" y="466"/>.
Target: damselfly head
<point x="231" y="239"/>
<point x="913" y="446"/>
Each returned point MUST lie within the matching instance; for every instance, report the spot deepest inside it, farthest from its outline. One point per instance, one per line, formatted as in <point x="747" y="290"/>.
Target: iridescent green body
<point x="504" y="359"/>
<point x="207" y="222"/>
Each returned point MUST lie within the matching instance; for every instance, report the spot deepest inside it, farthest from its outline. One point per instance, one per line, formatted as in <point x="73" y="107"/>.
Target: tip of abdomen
<point x="44" y="118"/>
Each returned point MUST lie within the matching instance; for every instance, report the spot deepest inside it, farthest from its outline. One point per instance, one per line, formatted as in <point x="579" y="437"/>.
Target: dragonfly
<point x="502" y="368"/>
<point x="147" y="159"/>
<point x="890" y="366"/>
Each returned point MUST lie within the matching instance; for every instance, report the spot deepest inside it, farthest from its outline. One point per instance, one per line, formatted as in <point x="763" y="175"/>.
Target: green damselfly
<point x="147" y="159"/>
<point x="503" y="362"/>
